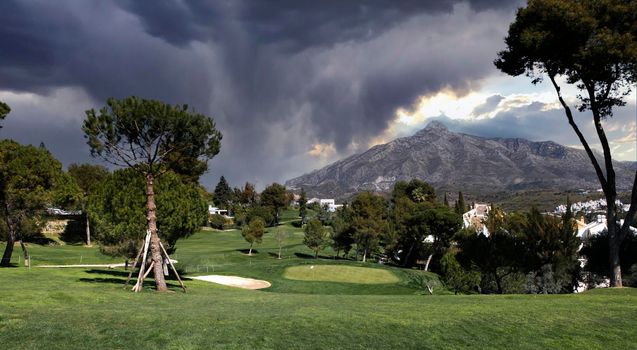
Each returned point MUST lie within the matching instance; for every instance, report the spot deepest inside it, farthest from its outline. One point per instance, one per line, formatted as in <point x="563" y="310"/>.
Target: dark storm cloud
<point x="537" y="122"/>
<point x="277" y="76"/>
<point x="488" y="106"/>
<point x="293" y="23"/>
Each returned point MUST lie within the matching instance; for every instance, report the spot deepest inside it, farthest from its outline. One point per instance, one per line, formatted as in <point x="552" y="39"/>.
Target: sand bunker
<point x="234" y="281"/>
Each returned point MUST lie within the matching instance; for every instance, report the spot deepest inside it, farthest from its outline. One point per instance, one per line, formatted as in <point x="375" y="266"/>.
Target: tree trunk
<point x="613" y="247"/>
<point x="408" y="256"/>
<point x="428" y="261"/>
<point x="498" y="282"/>
<point x="8" y="251"/>
<point x="607" y="181"/>
<point x="27" y="259"/>
<point x="88" y="230"/>
<point x="155" y="249"/>
<point x="250" y="252"/>
<point x="365" y="255"/>
<point x="279" y="252"/>
<point x="316" y="254"/>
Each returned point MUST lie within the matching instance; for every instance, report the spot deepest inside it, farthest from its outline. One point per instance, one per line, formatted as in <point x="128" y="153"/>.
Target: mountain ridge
<point x="458" y="162"/>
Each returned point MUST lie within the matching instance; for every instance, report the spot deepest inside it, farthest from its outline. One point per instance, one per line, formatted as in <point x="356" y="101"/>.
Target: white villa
<point x="475" y="218"/>
<point x="329" y="204"/>
<point x="216" y="211"/>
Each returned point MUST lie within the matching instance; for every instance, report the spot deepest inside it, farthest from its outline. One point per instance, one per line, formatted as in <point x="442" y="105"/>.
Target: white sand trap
<point x="234" y="281"/>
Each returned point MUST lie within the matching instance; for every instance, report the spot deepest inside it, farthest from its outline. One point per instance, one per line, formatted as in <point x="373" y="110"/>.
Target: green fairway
<point x="78" y="308"/>
<point x="340" y="273"/>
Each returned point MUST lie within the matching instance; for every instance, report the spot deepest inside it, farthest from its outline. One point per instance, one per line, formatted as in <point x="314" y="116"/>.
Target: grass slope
<point x="88" y="308"/>
<point x="76" y="309"/>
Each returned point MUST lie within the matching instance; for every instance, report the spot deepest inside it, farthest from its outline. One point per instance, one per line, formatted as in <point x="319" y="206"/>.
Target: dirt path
<point x="234" y="281"/>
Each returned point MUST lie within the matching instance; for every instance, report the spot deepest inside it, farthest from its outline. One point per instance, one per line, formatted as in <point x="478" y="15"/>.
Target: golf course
<point x="311" y="304"/>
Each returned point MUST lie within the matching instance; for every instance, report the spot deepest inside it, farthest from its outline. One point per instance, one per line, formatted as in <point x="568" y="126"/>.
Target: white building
<point x="475" y="218"/>
<point x="584" y="231"/>
<point x="328" y="203"/>
<point x="216" y="211"/>
<point x="313" y="200"/>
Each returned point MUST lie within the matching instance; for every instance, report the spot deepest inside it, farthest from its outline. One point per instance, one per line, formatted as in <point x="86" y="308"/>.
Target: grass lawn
<point x="88" y="308"/>
<point x="340" y="273"/>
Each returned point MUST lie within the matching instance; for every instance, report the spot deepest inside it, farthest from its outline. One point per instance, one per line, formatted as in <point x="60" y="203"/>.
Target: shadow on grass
<point x="74" y="232"/>
<point x="11" y="265"/>
<point x="119" y="277"/>
<point x="321" y="257"/>
<point x="246" y="251"/>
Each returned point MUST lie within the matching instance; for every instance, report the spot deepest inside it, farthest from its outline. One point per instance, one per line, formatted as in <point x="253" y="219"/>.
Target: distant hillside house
<point x="474" y="218"/>
<point x="216" y="211"/>
<point x="596" y="227"/>
<point x="328" y="203"/>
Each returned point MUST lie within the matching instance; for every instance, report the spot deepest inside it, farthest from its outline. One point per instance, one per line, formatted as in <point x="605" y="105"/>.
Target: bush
<point x="217" y="221"/>
<point x="595" y="251"/>
<point x="457" y="278"/>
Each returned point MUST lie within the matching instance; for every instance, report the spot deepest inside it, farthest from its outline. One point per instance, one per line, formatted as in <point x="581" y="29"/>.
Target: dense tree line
<point x="518" y="252"/>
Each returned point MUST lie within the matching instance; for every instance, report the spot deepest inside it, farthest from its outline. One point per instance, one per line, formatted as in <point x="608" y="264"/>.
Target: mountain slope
<point x="454" y="161"/>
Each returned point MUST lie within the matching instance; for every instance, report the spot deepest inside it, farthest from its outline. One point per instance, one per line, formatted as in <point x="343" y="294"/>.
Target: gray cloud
<point x="536" y="122"/>
<point x="488" y="106"/>
<point x="277" y="76"/>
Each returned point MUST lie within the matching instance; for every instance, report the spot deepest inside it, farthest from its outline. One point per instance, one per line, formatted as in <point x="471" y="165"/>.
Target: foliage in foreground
<point x="118" y="211"/>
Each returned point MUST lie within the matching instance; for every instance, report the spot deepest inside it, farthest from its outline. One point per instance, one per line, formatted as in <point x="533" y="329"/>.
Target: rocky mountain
<point x="459" y="162"/>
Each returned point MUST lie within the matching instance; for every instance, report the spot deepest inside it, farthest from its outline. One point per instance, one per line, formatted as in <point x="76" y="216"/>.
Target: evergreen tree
<point x="461" y="208"/>
<point x="316" y="237"/>
<point x="29" y="180"/>
<point x="223" y="194"/>
<point x="302" y="205"/>
<point x="369" y="220"/>
<point x="88" y="177"/>
<point x="181" y="210"/>
<point x="589" y="44"/>
<point x="275" y="197"/>
<point x="4" y="110"/>
<point x="152" y="138"/>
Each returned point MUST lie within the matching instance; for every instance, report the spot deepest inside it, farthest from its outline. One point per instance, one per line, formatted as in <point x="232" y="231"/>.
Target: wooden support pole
<point x="130" y="274"/>
<point x="139" y="285"/>
<point x="181" y="283"/>
<point x="140" y="279"/>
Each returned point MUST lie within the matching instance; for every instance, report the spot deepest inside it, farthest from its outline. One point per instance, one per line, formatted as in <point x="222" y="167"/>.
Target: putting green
<point x="340" y="273"/>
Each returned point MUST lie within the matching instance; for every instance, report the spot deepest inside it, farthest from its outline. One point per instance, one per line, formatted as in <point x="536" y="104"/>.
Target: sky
<point x="293" y="85"/>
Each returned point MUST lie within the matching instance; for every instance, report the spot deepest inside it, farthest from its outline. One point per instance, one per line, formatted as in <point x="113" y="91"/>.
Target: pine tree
<point x="460" y="206"/>
<point x="302" y="205"/>
<point x="223" y="194"/>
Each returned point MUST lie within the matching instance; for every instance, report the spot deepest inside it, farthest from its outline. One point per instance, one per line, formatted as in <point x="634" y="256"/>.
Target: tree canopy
<point x="4" y="110"/>
<point x="117" y="208"/>
<point x="592" y="44"/>
<point x="275" y="197"/>
<point x="147" y="134"/>
<point x="253" y="232"/>
<point x="30" y="180"/>
<point x="369" y="220"/>
<point x="316" y="237"/>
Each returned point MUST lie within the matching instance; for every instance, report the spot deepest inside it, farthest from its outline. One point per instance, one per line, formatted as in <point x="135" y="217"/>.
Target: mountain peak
<point x="467" y="163"/>
<point x="434" y="126"/>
